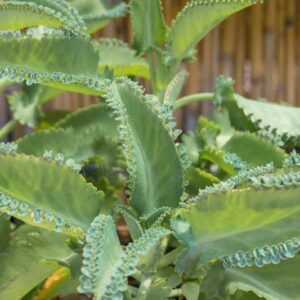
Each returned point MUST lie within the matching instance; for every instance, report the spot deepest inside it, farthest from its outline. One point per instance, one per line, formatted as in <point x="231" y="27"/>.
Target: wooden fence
<point x="259" y="47"/>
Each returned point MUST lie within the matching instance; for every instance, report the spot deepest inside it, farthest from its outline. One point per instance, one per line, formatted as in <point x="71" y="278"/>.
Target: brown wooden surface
<point x="259" y="47"/>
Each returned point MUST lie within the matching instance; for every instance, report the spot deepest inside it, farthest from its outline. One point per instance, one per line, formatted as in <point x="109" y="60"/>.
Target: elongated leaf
<point x="255" y="150"/>
<point x="45" y="194"/>
<point x="85" y="133"/>
<point x="134" y="227"/>
<point x="246" y="114"/>
<point x="196" y="19"/>
<point x="174" y="88"/>
<point x="26" y="104"/>
<point x="199" y="179"/>
<point x="62" y="9"/>
<point x="239" y="220"/>
<point x="147" y="23"/>
<point x="32" y="256"/>
<point x="97" y="13"/>
<point x="154" y="165"/>
<point x="106" y="277"/>
<point x="22" y="14"/>
<point x="272" y="282"/>
<point x="69" y="63"/>
<point x="120" y="58"/>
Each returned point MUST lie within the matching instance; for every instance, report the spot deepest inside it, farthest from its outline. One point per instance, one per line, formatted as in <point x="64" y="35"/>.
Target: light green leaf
<point x="148" y="24"/>
<point x="108" y="274"/>
<point x="272" y="282"/>
<point x="51" y="61"/>
<point x="196" y="19"/>
<point x="32" y="256"/>
<point x="61" y="9"/>
<point x="80" y="135"/>
<point x="123" y="60"/>
<point x="199" y="179"/>
<point x="23" y="14"/>
<point x="254" y="150"/>
<point x="174" y="88"/>
<point x="134" y="227"/>
<point x="238" y="220"/>
<point x="246" y="114"/>
<point x="25" y="104"/>
<point x="46" y="194"/>
<point x="98" y="13"/>
<point x="156" y="172"/>
<point x="191" y="290"/>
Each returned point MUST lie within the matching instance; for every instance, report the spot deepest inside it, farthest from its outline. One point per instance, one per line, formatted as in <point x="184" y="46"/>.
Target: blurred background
<point x="258" y="47"/>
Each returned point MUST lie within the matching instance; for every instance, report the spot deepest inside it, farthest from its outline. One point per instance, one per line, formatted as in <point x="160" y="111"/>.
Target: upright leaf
<point x="196" y="19"/>
<point x="147" y="23"/>
<point x="156" y="173"/>
<point x="106" y="265"/>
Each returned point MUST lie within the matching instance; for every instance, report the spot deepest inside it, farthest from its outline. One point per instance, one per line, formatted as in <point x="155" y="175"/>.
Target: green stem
<point x="7" y="128"/>
<point x="193" y="98"/>
<point x="169" y="258"/>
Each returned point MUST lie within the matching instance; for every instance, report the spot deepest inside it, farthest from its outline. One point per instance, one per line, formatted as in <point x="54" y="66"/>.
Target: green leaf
<point x="98" y="13"/>
<point x="61" y="9"/>
<point x="246" y="114"/>
<point x="46" y="194"/>
<point x="191" y="290"/>
<point x="106" y="277"/>
<point x="174" y="88"/>
<point x="117" y="56"/>
<point x="239" y="219"/>
<point x="134" y="227"/>
<point x="80" y="135"/>
<point x="4" y="233"/>
<point x="96" y="114"/>
<point x="216" y="156"/>
<point x="51" y="61"/>
<point x="254" y="150"/>
<point x="33" y="255"/>
<point x="271" y="282"/>
<point x="26" y="104"/>
<point x="196" y="19"/>
<point x="156" y="172"/>
<point x="199" y="179"/>
<point x="23" y="14"/>
<point x="148" y="24"/>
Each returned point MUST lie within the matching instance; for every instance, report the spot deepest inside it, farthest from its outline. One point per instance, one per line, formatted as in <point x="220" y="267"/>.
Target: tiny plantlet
<point x="113" y="201"/>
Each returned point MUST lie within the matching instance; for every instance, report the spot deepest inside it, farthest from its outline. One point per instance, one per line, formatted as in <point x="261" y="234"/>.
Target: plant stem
<point x="7" y="128"/>
<point x="169" y="258"/>
<point x="193" y="98"/>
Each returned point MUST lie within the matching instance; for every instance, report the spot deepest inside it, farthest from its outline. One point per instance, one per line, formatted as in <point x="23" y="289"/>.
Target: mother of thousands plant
<point x="215" y="216"/>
